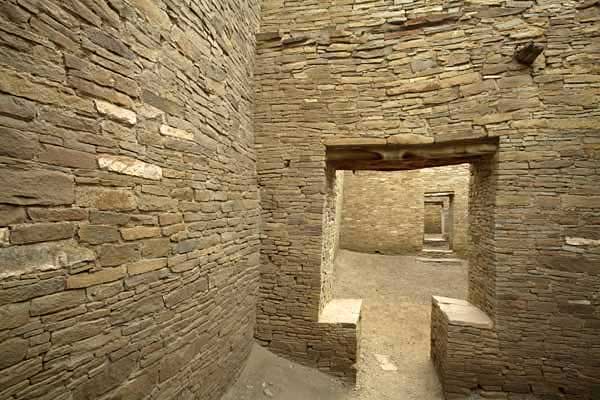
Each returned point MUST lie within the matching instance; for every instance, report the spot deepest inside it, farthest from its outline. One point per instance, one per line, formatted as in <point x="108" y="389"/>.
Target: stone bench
<point x="339" y="323"/>
<point x="464" y="347"/>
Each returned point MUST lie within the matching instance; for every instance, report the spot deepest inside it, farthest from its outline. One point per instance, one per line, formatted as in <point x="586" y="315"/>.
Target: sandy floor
<point x="394" y="355"/>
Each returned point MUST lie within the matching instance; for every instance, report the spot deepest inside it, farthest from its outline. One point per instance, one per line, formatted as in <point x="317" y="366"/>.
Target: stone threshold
<point x="439" y="260"/>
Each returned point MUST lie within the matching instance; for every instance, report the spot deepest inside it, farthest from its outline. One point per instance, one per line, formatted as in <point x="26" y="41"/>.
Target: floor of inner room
<point x="394" y="358"/>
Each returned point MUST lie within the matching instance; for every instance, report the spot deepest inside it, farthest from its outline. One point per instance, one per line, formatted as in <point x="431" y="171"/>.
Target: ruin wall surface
<point x="445" y="71"/>
<point x="128" y="200"/>
<point x="385" y="211"/>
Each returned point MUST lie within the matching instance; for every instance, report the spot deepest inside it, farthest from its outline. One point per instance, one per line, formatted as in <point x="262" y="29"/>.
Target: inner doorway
<point x="438" y="222"/>
<point x="434" y="218"/>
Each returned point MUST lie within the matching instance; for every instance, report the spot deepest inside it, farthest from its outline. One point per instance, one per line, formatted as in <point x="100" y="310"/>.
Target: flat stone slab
<point x="18" y="260"/>
<point x="341" y="311"/>
<point x="462" y="313"/>
<point x="434" y="239"/>
<point x="440" y="260"/>
<point x="438" y="251"/>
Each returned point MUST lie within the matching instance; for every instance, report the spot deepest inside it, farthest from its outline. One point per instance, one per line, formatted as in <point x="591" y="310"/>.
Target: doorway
<point x="396" y="289"/>
<point x="438" y="221"/>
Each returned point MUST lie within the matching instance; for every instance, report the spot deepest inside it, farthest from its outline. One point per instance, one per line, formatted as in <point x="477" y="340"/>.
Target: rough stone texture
<point x="21" y="234"/>
<point x="21" y="260"/>
<point x="96" y="298"/>
<point x="375" y="69"/>
<point x="385" y="211"/>
<point x="28" y="187"/>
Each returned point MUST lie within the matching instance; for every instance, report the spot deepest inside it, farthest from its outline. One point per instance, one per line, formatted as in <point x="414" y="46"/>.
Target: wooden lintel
<point x="405" y="157"/>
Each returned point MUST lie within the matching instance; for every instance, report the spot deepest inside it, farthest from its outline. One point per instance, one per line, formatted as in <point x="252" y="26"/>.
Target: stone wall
<point x="128" y="208"/>
<point x="382" y="212"/>
<point x="432" y="216"/>
<point x="385" y="71"/>
<point x="385" y="211"/>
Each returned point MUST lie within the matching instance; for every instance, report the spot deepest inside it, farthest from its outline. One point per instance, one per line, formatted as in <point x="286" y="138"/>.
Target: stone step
<point x="440" y="260"/>
<point x="437" y="253"/>
<point x="435" y="244"/>
<point x="435" y="239"/>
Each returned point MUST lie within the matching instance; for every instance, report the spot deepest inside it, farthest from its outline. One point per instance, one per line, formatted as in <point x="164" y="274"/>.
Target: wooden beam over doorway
<point x="364" y="155"/>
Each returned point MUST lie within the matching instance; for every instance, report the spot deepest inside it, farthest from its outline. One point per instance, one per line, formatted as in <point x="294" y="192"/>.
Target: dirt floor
<point x="394" y="359"/>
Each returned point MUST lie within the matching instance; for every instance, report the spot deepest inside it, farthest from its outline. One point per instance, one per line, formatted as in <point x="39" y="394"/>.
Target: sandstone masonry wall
<point x="379" y="70"/>
<point x="432" y="218"/>
<point x="128" y="200"/>
<point x="384" y="211"/>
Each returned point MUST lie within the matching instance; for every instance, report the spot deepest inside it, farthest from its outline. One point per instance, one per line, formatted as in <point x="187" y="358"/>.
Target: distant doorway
<point x="438" y="220"/>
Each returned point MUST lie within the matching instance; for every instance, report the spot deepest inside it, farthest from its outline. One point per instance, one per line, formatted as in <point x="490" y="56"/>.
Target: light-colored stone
<point x="130" y="166"/>
<point x="385" y="363"/>
<point x="341" y="311"/>
<point x="153" y="13"/>
<point x="577" y="241"/>
<point x="116" y="112"/>
<point x="4" y="235"/>
<point x="176" y="133"/>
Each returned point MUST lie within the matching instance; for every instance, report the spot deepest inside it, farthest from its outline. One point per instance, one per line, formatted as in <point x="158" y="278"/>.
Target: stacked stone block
<point x="464" y="350"/>
<point x="128" y="201"/>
